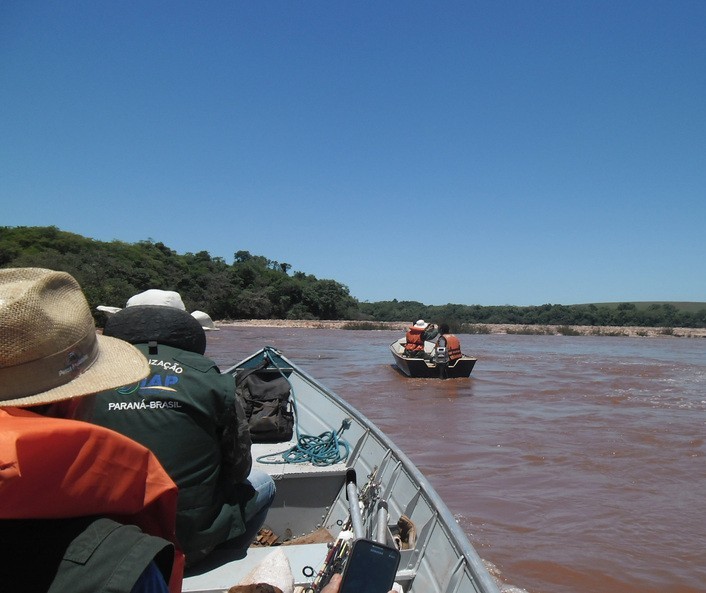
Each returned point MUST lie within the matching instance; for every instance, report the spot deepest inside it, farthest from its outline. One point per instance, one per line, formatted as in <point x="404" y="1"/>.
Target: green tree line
<point x="622" y="314"/>
<point x="255" y="287"/>
<point x="252" y="287"/>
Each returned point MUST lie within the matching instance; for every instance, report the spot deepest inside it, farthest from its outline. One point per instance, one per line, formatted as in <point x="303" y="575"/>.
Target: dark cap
<point x="165" y="325"/>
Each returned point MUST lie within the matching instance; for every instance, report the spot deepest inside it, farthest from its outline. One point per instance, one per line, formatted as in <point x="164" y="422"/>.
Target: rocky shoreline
<point x="577" y="330"/>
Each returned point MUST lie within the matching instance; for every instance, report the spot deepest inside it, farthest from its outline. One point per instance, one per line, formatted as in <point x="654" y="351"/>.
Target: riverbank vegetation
<point x="621" y="314"/>
<point x="255" y="287"/>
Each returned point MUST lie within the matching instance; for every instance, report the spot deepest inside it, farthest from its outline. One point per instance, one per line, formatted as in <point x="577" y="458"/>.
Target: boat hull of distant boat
<point x="426" y="367"/>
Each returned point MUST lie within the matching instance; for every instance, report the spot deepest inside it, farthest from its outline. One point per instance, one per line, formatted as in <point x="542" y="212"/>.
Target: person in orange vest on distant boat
<point x="447" y="350"/>
<point x="450" y="342"/>
<point x="416" y="335"/>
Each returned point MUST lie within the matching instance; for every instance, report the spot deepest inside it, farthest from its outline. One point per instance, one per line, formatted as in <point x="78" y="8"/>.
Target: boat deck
<point x="221" y="570"/>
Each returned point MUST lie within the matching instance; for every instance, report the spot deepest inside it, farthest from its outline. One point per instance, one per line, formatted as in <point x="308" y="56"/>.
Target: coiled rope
<point x="328" y="448"/>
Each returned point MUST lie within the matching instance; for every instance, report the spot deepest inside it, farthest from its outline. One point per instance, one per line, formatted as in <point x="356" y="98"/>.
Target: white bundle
<point x="274" y="570"/>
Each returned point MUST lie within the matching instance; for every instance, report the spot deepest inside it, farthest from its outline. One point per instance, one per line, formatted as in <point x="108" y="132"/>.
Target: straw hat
<point x="49" y="349"/>
<point x="421" y="323"/>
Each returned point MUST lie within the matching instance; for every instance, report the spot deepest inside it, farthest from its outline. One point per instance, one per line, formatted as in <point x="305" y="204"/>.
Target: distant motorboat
<point x="427" y="367"/>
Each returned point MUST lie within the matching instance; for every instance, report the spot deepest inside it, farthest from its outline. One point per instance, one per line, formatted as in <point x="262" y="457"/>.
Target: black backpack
<point x="266" y="397"/>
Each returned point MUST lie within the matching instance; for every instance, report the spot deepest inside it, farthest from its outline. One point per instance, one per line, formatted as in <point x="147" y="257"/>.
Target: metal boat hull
<point x="312" y="499"/>
<point x="424" y="368"/>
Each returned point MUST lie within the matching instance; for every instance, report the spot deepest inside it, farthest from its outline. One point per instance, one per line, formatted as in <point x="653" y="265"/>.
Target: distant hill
<point x="252" y="287"/>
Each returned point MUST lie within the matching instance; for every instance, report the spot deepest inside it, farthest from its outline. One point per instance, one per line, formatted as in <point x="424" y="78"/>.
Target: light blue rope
<point x="326" y="449"/>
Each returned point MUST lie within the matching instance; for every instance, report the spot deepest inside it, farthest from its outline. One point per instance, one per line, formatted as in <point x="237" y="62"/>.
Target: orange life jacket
<point x="414" y="338"/>
<point x="453" y="346"/>
<point x="57" y="468"/>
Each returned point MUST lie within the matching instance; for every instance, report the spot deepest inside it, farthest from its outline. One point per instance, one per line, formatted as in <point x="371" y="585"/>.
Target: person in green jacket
<point x="187" y="413"/>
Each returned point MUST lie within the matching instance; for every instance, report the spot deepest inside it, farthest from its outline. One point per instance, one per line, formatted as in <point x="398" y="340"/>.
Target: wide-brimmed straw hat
<point x="49" y="348"/>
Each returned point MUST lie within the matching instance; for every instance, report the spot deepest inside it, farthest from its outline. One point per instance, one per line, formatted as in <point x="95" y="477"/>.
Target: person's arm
<point x="244" y="441"/>
<point x="430" y="333"/>
<point x="236" y="443"/>
<point x="333" y="585"/>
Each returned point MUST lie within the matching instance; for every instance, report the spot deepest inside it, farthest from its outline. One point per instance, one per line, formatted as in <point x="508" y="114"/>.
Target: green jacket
<point x="81" y="555"/>
<point x="187" y="414"/>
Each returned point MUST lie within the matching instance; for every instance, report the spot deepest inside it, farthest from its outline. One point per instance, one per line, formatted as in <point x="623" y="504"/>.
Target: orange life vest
<point x="414" y="338"/>
<point x="453" y="347"/>
<point x="57" y="468"/>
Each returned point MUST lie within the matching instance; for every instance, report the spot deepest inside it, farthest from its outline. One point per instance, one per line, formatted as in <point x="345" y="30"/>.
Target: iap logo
<point x="152" y="383"/>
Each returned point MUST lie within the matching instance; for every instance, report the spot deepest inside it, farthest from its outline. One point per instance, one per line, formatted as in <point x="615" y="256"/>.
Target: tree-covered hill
<point x="255" y="287"/>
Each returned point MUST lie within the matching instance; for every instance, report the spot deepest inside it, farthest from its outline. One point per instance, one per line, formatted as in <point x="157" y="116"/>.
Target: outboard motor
<point x="441" y="358"/>
<point x="442" y="355"/>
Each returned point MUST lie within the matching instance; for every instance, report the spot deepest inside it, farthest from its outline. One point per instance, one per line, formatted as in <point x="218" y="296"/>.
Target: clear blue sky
<point x="497" y="152"/>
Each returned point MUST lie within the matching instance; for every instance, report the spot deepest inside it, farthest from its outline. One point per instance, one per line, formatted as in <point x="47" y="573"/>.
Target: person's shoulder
<point x="197" y="361"/>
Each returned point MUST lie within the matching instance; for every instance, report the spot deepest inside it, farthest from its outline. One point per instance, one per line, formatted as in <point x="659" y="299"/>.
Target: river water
<point x="574" y="464"/>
